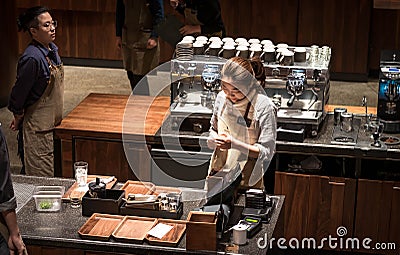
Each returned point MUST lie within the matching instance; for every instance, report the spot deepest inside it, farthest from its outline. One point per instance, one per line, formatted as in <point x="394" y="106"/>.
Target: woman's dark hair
<point x="29" y="18"/>
<point x="245" y="71"/>
<point x="258" y="69"/>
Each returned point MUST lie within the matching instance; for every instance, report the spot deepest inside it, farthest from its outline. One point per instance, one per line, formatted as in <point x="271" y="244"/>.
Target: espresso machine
<point x="300" y="91"/>
<point x="388" y="110"/>
<point x="195" y="84"/>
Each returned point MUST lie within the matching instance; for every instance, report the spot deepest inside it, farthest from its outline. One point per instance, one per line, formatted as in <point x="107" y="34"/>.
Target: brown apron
<point x="237" y="121"/>
<point x="39" y="122"/>
<point x="135" y="33"/>
<point x="191" y="19"/>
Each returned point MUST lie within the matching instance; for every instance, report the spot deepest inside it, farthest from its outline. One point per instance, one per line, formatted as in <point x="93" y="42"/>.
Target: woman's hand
<point x="16" y="122"/>
<point x="224" y="141"/>
<point x="16" y="245"/>
<point x="174" y="3"/>
<point x="151" y="43"/>
<point x="118" y="43"/>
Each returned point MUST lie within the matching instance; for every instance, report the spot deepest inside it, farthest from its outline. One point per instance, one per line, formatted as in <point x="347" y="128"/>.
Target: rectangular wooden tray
<point x="173" y="237"/>
<point x="100" y="226"/>
<point x="76" y="191"/>
<point x="133" y="229"/>
<point x="137" y="187"/>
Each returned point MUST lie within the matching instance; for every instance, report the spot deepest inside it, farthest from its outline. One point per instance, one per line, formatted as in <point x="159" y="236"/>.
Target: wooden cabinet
<point x="378" y="212"/>
<point x="108" y="157"/>
<point x="315" y="206"/>
<point x="367" y="206"/>
<point x="44" y="250"/>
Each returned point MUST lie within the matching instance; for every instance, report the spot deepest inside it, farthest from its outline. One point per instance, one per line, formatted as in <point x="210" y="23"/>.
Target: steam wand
<point x="367" y="117"/>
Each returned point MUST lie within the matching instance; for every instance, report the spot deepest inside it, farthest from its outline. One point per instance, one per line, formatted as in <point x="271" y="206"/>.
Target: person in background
<point x="243" y="125"/>
<point x="202" y="17"/>
<point x="10" y="238"/>
<point x="136" y="24"/>
<point x="37" y="97"/>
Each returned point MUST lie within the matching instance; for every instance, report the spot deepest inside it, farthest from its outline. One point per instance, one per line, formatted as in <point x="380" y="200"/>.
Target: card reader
<point x="253" y="225"/>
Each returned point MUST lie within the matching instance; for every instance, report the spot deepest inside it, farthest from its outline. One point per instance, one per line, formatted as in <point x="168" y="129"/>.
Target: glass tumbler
<point x="81" y="171"/>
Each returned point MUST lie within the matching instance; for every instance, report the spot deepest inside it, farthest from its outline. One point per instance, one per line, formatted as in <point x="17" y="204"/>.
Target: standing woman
<point x="136" y="23"/>
<point x="243" y="125"/>
<point x="202" y="17"/>
<point x="37" y="98"/>
<point x="10" y="238"/>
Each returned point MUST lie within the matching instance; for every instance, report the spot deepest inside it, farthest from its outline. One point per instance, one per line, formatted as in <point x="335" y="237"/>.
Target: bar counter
<point x="60" y="229"/>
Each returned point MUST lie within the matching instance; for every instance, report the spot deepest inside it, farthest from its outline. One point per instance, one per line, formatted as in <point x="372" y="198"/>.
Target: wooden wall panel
<point x="343" y="25"/>
<point x="75" y="5"/>
<point x="355" y="31"/>
<point x="276" y="20"/>
<point x="385" y="34"/>
<point x="87" y="33"/>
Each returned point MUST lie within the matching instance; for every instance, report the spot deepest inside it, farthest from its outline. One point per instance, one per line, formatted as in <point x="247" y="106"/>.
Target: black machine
<point x="388" y="110"/>
<point x="258" y="205"/>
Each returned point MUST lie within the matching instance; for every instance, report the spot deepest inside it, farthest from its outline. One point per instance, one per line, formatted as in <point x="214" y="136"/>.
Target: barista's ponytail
<point x="258" y="69"/>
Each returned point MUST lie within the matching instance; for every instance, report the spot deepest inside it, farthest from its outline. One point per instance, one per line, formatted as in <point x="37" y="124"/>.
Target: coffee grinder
<point x="389" y="91"/>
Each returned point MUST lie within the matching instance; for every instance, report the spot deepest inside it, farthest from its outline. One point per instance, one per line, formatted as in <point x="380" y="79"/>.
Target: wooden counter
<point x="93" y="132"/>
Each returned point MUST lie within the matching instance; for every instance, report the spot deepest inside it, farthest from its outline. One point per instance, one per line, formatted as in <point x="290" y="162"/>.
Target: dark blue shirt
<point x="33" y="74"/>
<point x="156" y="8"/>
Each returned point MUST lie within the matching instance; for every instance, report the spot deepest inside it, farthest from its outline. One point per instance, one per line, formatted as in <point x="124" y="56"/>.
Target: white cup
<point x="240" y="39"/>
<point x="242" y="51"/>
<point x="267" y="42"/>
<point x="227" y="51"/>
<point x="202" y="38"/>
<point x="300" y="54"/>
<point x="81" y="171"/>
<point x="268" y="54"/>
<point x="245" y="43"/>
<point x="188" y="38"/>
<point x="254" y="40"/>
<point x="215" y="39"/>
<point x="228" y="39"/>
<point x="282" y="45"/>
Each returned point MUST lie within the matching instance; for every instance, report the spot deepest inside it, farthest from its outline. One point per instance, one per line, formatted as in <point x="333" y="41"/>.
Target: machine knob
<point x="197" y="127"/>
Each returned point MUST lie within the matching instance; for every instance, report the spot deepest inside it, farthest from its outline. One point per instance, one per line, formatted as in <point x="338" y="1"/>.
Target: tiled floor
<point x="81" y="81"/>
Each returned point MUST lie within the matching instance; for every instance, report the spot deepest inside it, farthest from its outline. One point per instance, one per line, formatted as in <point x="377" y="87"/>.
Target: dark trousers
<point x="134" y="79"/>
<point x="20" y="139"/>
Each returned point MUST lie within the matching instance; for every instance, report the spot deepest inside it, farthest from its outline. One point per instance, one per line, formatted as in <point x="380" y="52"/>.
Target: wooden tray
<point x="137" y="187"/>
<point x="100" y="226"/>
<point x="173" y="237"/>
<point x="77" y="192"/>
<point x="133" y="229"/>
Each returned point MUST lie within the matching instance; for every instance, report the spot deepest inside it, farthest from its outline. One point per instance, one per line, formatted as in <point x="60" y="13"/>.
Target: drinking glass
<point x="81" y="170"/>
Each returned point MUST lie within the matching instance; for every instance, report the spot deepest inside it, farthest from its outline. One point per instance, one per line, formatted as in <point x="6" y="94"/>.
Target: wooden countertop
<point x="111" y="115"/>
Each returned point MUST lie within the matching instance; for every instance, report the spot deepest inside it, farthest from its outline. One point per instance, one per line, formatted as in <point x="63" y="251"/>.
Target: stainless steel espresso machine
<point x="388" y="110"/>
<point x="194" y="87"/>
<point x="300" y="91"/>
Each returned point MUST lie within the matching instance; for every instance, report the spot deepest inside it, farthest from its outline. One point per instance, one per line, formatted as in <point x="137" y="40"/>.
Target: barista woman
<point x="243" y="124"/>
<point x="37" y="97"/>
<point x="202" y="17"/>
